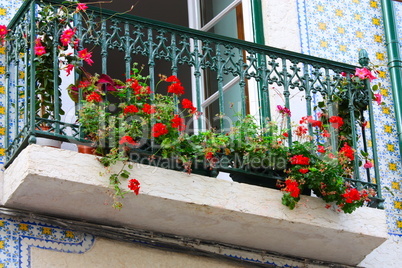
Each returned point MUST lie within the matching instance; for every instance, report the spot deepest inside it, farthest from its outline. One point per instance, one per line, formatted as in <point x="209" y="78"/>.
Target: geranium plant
<point x="136" y="118"/>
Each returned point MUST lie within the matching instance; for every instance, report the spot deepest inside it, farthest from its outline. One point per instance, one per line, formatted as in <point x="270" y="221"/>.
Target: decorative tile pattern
<point x="7" y="10"/>
<point x="337" y="30"/>
<point x="18" y="236"/>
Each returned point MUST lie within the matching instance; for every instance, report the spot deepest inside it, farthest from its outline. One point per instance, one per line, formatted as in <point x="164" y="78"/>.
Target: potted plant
<point x="150" y="123"/>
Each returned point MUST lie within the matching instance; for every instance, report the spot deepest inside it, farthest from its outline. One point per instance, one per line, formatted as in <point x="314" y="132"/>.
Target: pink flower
<point x="283" y="110"/>
<point x="86" y="56"/>
<point x="39" y="48"/>
<point x="378" y="98"/>
<point x="3" y="30"/>
<point x="81" y="6"/>
<point x="368" y="164"/>
<point x="364" y="73"/>
<point x="69" y="68"/>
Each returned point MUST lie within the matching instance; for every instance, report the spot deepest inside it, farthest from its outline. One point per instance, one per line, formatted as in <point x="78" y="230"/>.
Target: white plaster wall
<point x="108" y="253"/>
<point x="388" y="254"/>
<point x="281" y="30"/>
<point x="281" y="25"/>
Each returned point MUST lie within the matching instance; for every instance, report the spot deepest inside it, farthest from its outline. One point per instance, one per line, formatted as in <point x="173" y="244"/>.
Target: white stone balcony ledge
<point x="68" y="184"/>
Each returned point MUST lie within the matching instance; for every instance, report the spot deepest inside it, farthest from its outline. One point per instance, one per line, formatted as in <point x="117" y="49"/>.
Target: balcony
<point x="221" y="72"/>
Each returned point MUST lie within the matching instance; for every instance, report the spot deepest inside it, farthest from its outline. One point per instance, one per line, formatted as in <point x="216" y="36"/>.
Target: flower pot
<point x="46" y="141"/>
<point x="86" y="149"/>
<point x="264" y="178"/>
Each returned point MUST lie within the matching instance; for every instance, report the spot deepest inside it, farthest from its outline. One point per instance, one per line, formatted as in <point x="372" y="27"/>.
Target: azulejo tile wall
<point x="18" y="236"/>
<point x="337" y="30"/>
<point x="7" y="11"/>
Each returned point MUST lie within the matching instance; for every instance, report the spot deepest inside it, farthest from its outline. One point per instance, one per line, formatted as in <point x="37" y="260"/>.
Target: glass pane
<point x="211" y="8"/>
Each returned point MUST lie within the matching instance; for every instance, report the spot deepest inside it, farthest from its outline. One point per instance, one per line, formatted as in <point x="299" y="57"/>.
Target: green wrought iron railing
<point x="218" y="69"/>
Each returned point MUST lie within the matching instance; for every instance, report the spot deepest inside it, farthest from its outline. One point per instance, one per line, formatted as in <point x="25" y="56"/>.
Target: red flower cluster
<point x="209" y="155"/>
<point x="304" y="170"/>
<point x="336" y="121"/>
<point x="293" y="188"/>
<point x="134" y="185"/>
<point x="148" y="109"/>
<point x="301" y="130"/>
<point x="159" y="129"/>
<point x="178" y="122"/>
<point x="139" y="89"/>
<point x="176" y="86"/>
<point x="127" y="140"/>
<point x="299" y="160"/>
<point x="309" y="120"/>
<point x="347" y="151"/>
<point x="188" y="104"/>
<point x="94" y="97"/>
<point x="131" y="109"/>
<point x="351" y="194"/>
<point x="321" y="149"/>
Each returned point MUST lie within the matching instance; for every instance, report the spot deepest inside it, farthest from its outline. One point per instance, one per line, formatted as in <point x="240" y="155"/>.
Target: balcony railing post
<point x="364" y="60"/>
<point x="32" y="73"/>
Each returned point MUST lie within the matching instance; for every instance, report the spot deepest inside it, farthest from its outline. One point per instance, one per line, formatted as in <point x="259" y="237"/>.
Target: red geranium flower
<point x="320" y="149"/>
<point x="127" y="140"/>
<point x="188" y="104"/>
<point x="351" y="194"/>
<point x="326" y="134"/>
<point x="94" y="97"/>
<point x="134" y="185"/>
<point x="347" y="151"/>
<point x="130" y="109"/>
<point x="178" y="122"/>
<point x="209" y="155"/>
<point x="159" y="129"/>
<point x="301" y="130"/>
<point x="293" y="188"/>
<point x="299" y="160"/>
<point x="336" y="121"/>
<point x="176" y="88"/>
<point x="148" y="109"/>
<point x="304" y="170"/>
<point x="172" y="78"/>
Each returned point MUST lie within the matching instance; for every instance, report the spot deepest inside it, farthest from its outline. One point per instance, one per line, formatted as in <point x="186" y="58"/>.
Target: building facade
<point x="56" y="212"/>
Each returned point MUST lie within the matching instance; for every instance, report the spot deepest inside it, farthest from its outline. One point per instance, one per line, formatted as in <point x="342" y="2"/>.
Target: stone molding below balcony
<point x="72" y="185"/>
